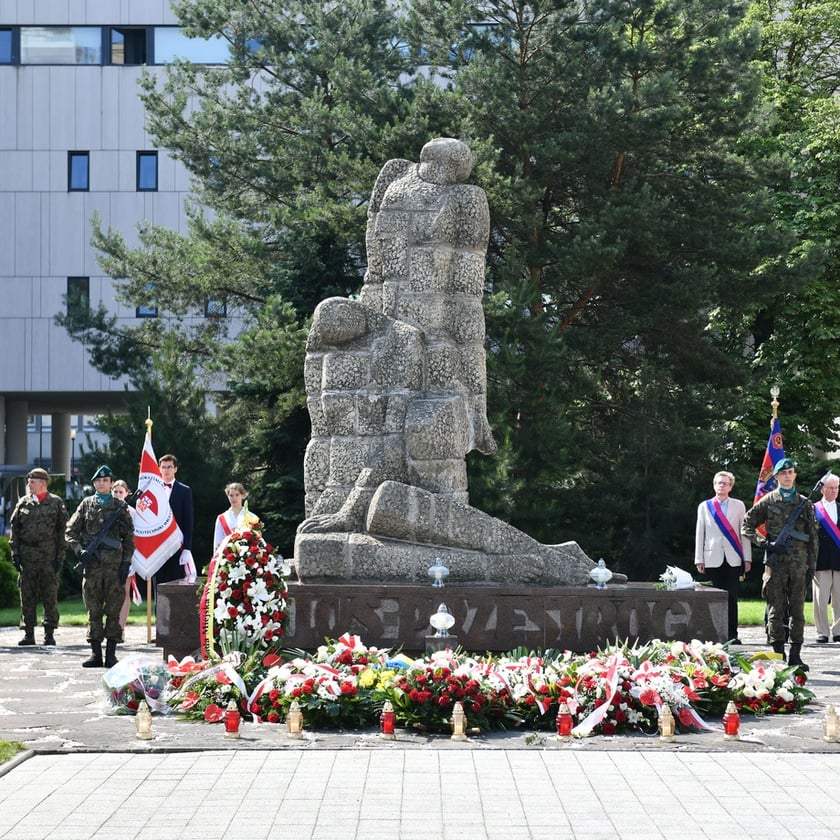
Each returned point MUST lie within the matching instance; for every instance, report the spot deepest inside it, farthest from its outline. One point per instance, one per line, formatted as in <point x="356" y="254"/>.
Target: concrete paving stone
<point x="87" y="762"/>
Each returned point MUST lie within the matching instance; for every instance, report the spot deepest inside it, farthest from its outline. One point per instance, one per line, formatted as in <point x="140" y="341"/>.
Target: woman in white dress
<point x="235" y="516"/>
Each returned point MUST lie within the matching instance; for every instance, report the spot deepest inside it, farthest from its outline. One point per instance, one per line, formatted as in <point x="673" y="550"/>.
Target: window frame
<point x="71" y="157"/>
<point x="141" y="156"/>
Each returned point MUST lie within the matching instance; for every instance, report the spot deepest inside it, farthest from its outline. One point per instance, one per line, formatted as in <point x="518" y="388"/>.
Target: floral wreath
<point x="243" y="605"/>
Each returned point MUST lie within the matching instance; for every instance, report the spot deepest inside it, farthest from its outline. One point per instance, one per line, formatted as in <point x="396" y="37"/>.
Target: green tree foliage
<point x="169" y="394"/>
<point x="797" y="332"/>
<point x="646" y="228"/>
<point x="623" y="216"/>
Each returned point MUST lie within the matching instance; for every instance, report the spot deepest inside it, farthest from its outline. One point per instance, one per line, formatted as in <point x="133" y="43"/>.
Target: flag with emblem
<point x="156" y="533"/>
<point x="772" y="455"/>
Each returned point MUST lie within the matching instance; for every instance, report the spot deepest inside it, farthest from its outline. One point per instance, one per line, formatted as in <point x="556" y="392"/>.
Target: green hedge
<point x="9" y="596"/>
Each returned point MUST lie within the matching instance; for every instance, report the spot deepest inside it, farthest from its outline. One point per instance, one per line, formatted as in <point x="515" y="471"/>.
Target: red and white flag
<point x="156" y="533"/>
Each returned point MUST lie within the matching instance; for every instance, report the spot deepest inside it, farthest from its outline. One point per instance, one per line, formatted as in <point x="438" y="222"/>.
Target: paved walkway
<point x="86" y="776"/>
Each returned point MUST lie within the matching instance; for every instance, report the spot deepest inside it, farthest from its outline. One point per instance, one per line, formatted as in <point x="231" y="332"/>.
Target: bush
<point x="9" y="593"/>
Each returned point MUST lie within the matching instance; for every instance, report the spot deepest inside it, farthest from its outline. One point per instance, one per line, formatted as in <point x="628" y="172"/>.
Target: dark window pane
<point x="147" y="171"/>
<point x="5" y="46"/>
<point x="128" y="46"/>
<point x="215" y="308"/>
<point x="78" y="295"/>
<point x="78" y="171"/>
<point x="146" y="312"/>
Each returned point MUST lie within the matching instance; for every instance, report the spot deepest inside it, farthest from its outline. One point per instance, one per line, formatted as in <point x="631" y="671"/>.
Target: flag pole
<point x="149" y="424"/>
<point x="774" y="403"/>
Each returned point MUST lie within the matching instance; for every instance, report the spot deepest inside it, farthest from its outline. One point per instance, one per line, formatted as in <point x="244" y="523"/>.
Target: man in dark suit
<point x="180" y="565"/>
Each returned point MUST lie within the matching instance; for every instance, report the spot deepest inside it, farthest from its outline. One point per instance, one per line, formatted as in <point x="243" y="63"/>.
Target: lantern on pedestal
<point x="438" y="572"/>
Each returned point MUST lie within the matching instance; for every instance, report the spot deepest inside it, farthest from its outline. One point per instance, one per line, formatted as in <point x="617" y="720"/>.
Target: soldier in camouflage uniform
<point x="785" y="567"/>
<point x="37" y="542"/>
<point x="106" y="567"/>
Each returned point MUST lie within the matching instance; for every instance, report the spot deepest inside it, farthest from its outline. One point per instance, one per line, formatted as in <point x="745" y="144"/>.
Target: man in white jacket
<point x="720" y="552"/>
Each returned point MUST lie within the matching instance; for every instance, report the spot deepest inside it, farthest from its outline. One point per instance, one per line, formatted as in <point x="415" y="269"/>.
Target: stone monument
<point x="397" y="394"/>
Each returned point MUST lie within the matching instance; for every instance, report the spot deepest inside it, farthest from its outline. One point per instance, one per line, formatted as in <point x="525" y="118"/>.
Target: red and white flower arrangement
<point x="243" y="605"/>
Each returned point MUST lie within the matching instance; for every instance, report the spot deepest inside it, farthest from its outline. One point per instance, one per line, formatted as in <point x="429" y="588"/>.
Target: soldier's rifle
<point x="90" y="552"/>
<point x="784" y="539"/>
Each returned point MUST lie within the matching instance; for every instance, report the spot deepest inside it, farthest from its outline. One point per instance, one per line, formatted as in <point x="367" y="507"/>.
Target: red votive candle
<point x="387" y="720"/>
<point x="731" y="721"/>
<point x="232" y="719"/>
<point x="564" y="721"/>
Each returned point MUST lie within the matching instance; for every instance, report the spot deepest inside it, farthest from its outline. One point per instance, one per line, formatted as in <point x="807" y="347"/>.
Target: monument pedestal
<point x="488" y="617"/>
<point x="176" y="618"/>
<point x="497" y="617"/>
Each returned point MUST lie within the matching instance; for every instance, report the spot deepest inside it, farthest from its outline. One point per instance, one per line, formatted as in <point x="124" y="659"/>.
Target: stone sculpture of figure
<point x="426" y="241"/>
<point x="396" y="390"/>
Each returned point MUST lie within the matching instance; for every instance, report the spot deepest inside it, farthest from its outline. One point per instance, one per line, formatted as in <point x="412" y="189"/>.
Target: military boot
<point x="95" y="658"/>
<point x="111" y="653"/>
<point x="779" y="647"/>
<point x="28" y="637"/>
<point x="49" y="639"/>
<point x="794" y="658"/>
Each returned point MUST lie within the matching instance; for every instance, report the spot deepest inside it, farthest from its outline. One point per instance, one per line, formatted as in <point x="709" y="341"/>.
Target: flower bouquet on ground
<point x="136" y="678"/>
<point x="768" y="686"/>
<point x="243" y="604"/>
<point x="337" y="688"/>
<point x="425" y="693"/>
<point x="202" y="690"/>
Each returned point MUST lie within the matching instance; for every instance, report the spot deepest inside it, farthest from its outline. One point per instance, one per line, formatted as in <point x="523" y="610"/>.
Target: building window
<point x="215" y="308"/>
<point x="172" y="43"/>
<point x="147" y="171"/>
<point x="6" y="56"/>
<point x="146" y="312"/>
<point x="128" y="45"/>
<point x="61" y="45"/>
<point x="78" y="295"/>
<point x="78" y="171"/>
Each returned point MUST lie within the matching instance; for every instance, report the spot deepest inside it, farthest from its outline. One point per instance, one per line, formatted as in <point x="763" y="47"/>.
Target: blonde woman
<point x="235" y="516"/>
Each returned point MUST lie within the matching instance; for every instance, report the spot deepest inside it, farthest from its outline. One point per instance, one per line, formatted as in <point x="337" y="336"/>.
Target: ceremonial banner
<point x="156" y="534"/>
<point x="772" y="455"/>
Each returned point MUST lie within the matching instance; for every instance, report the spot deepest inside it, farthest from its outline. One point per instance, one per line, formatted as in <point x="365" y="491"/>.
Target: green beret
<point x="784" y="464"/>
<point x="102" y="472"/>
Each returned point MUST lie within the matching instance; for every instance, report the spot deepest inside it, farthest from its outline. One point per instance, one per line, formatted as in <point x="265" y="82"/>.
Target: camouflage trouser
<point x="38" y="575"/>
<point x="103" y="595"/>
<point x="783" y="588"/>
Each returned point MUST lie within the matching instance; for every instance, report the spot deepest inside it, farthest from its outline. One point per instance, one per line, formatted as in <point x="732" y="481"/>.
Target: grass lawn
<point x="72" y="614"/>
<point x="8" y="749"/>
<point x="751" y="613"/>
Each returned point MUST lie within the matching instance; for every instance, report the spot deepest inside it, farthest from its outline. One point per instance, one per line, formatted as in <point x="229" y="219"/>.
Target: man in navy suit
<point x="180" y="565"/>
<point x="720" y="551"/>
